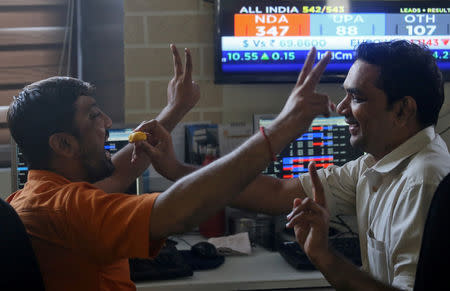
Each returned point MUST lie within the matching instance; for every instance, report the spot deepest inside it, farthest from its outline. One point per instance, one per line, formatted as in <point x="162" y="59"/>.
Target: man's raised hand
<point x="158" y="147"/>
<point x="310" y="219"/>
<point x="182" y="91"/>
<point x="304" y="102"/>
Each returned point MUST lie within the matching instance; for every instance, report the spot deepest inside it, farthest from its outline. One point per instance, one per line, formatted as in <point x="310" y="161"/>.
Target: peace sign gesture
<point x="182" y="91"/>
<point x="310" y="219"/>
<point x="305" y="103"/>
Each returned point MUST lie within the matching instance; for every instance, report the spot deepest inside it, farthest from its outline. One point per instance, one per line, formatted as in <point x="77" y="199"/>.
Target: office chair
<point x="19" y="269"/>
<point x="434" y="259"/>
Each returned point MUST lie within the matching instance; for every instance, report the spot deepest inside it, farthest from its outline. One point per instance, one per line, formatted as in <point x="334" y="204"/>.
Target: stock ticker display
<point x="275" y="36"/>
<point x="326" y="143"/>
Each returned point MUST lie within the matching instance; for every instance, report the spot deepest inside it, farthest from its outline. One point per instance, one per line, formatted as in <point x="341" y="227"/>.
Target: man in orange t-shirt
<point x="83" y="236"/>
<point x="82" y="240"/>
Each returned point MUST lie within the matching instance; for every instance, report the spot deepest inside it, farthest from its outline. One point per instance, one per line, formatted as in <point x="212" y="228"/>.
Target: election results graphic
<point x="275" y="36"/>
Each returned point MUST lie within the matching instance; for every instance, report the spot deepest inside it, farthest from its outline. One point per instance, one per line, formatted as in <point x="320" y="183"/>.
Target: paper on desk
<point x="237" y="244"/>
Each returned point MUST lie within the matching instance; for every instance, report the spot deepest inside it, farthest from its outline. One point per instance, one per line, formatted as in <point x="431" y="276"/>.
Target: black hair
<point x="407" y="69"/>
<point x="42" y="109"/>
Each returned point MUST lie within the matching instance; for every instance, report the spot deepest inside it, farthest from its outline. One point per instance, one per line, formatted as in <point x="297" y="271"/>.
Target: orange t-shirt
<point x="82" y="236"/>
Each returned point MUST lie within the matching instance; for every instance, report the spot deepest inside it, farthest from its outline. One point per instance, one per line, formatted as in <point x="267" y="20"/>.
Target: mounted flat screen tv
<point x="268" y="40"/>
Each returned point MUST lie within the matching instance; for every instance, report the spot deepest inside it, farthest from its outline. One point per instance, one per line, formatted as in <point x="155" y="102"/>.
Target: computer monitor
<point x="327" y="142"/>
<point x="19" y="168"/>
<point x="118" y="138"/>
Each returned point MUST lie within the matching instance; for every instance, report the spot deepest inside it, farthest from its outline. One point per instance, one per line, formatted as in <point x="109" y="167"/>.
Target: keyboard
<point x="297" y="258"/>
<point x="168" y="264"/>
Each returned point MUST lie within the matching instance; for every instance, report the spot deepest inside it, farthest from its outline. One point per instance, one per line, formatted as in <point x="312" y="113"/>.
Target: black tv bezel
<point x="277" y="78"/>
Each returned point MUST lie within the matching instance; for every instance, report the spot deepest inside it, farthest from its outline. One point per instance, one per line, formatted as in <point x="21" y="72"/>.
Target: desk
<point x="263" y="270"/>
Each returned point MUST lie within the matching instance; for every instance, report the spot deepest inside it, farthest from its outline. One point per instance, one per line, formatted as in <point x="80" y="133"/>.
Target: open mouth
<point x="353" y="126"/>
<point x="106" y="135"/>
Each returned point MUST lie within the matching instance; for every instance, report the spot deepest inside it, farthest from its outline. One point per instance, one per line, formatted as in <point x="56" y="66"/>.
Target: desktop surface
<point x="262" y="270"/>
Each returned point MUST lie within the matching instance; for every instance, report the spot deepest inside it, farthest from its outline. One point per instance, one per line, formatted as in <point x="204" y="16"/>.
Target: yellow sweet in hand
<point x="137" y="136"/>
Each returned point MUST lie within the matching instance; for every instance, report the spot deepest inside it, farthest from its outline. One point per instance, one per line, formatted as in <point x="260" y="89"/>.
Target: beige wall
<point x="150" y="25"/>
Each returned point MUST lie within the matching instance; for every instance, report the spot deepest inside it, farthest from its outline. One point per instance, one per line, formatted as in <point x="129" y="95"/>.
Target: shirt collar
<point x="410" y="147"/>
<point x="46" y="175"/>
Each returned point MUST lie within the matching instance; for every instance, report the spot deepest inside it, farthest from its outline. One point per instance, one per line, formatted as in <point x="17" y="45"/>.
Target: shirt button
<point x="374" y="189"/>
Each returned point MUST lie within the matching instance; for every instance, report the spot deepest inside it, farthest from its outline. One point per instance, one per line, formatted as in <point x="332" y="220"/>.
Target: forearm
<point x="343" y="275"/>
<point x="180" y="171"/>
<point x="269" y="195"/>
<point x="171" y="115"/>
<point x="125" y="172"/>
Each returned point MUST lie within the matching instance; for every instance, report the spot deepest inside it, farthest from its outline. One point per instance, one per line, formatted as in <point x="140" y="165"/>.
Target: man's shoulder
<point x="49" y="193"/>
<point x="431" y="164"/>
<point x="358" y="165"/>
<point x="434" y="155"/>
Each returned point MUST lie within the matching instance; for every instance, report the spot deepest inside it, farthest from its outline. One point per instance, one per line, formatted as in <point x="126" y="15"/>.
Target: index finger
<point x="319" y="195"/>
<point x="188" y="67"/>
<point x="314" y="76"/>
<point x="307" y="66"/>
<point x="177" y="67"/>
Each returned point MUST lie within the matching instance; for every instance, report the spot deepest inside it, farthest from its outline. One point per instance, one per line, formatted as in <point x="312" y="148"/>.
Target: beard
<point x="97" y="165"/>
<point x="98" y="173"/>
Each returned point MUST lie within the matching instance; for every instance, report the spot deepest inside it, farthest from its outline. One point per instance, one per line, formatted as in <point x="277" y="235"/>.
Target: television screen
<point x="268" y="40"/>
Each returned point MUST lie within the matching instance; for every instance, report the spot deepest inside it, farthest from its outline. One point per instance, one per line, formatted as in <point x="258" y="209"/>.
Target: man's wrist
<point x="171" y="115"/>
<point x="323" y="259"/>
<point x="282" y="130"/>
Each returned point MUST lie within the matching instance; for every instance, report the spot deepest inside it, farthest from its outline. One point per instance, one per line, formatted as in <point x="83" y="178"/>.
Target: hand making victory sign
<point x="304" y="100"/>
<point x="182" y="91"/>
<point x="182" y="95"/>
<point x="310" y="219"/>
